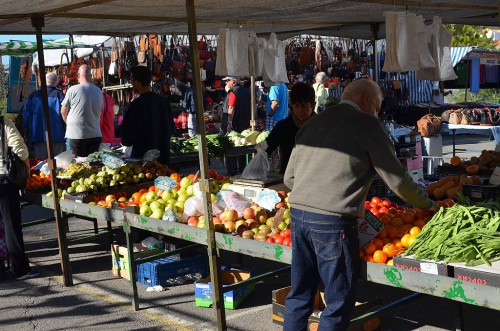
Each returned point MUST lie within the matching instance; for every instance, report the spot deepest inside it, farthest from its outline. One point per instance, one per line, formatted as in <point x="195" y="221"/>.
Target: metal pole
<point x="205" y="184"/>
<point x="103" y="66"/>
<point x="252" y="105"/>
<point x="38" y="22"/>
<point x="375" y="58"/>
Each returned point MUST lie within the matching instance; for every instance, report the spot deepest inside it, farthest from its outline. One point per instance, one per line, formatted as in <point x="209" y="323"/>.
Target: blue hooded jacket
<point x="33" y="116"/>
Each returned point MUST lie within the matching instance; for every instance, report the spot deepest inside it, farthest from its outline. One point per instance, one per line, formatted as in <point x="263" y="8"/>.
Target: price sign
<point x="151" y="155"/>
<point x="268" y="199"/>
<point x="165" y="183"/>
<point x="111" y="161"/>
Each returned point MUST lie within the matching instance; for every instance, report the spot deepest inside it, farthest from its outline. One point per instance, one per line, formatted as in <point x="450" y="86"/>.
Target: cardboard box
<point x="232" y="299"/>
<point x="424" y="266"/>
<point x="360" y="309"/>
<point x="481" y="275"/>
<point x="120" y="262"/>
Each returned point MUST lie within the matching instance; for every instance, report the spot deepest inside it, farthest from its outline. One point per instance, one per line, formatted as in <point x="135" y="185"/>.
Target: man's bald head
<point x="84" y="74"/>
<point x="366" y="94"/>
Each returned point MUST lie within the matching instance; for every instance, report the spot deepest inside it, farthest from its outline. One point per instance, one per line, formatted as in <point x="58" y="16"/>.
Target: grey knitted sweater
<point x="334" y="161"/>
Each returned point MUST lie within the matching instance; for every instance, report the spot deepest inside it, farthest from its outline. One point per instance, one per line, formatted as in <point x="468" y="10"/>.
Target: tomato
<point x="279" y="240"/>
<point x="400" y="208"/>
<point x="393" y="210"/>
<point x="376" y="200"/>
<point x="380" y="205"/>
<point x="367" y="205"/>
<point x="386" y="203"/>
<point x="375" y="211"/>
<point x="394" y="205"/>
<point x="287" y="242"/>
<point x="383" y="210"/>
<point x="373" y="205"/>
<point x="286" y="233"/>
<point x="270" y="240"/>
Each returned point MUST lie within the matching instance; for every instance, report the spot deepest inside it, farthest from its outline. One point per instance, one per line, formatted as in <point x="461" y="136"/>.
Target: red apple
<point x="280" y="205"/>
<point x="216" y="220"/>
<point x="229" y="215"/>
<point x="229" y="226"/>
<point x="248" y="213"/>
<point x="193" y="221"/>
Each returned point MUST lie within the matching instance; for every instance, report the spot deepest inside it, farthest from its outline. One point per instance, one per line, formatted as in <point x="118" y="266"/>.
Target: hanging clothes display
<point x="220" y="61"/>
<point x="438" y="43"/>
<point x="255" y="54"/>
<point x="237" y="53"/>
<point x="391" y="63"/>
<point x="274" y="70"/>
<point x="474" y="74"/>
<point x="408" y="28"/>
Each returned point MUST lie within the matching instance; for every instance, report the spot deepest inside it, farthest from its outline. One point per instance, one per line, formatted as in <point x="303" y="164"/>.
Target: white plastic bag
<point x="258" y="168"/>
<point x="64" y="159"/>
<point x="235" y="201"/>
<point x="152" y="243"/>
<point x="194" y="207"/>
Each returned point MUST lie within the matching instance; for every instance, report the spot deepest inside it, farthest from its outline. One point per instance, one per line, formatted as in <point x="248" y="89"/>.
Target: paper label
<point x="495" y="177"/>
<point x="111" y="161"/>
<point x="368" y="228"/>
<point x="151" y="155"/>
<point x="268" y="199"/>
<point x="429" y="268"/>
<point x="165" y="183"/>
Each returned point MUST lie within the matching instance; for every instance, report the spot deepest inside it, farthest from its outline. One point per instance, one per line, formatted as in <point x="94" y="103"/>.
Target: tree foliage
<point x="470" y="35"/>
<point x="3" y="81"/>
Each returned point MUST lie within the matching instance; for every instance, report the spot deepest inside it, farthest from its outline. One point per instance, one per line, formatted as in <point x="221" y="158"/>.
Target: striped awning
<point x="458" y="53"/>
<point x="18" y="47"/>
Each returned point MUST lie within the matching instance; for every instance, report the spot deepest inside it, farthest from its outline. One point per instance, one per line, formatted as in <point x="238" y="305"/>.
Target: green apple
<point x="141" y="175"/>
<point x="255" y="230"/>
<point x="167" y="195"/>
<point x="151" y="195"/>
<point x="156" y="205"/>
<point x="286" y="214"/>
<point x="168" y="207"/>
<point x="183" y="197"/>
<point x="213" y="197"/>
<point x="282" y="225"/>
<point x="190" y="190"/>
<point x="214" y="187"/>
<point x="181" y="191"/>
<point x="157" y="213"/>
<point x="145" y="210"/>
<point x="225" y="186"/>
<point x="185" y="182"/>
<point x="180" y="206"/>
<point x="171" y="202"/>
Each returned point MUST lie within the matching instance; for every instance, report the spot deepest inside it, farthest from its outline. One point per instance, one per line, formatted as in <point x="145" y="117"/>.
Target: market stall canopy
<point x="22" y="48"/>
<point x="284" y="17"/>
<point x="486" y="56"/>
<point x="85" y="45"/>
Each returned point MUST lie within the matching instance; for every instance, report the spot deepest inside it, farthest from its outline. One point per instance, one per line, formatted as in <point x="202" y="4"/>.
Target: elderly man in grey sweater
<point x="336" y="156"/>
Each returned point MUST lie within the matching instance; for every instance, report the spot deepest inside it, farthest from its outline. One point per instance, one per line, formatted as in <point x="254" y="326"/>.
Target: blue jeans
<point x="325" y="248"/>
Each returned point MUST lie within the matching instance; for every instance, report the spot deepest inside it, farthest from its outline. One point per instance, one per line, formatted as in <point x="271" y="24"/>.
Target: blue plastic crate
<point x="159" y="271"/>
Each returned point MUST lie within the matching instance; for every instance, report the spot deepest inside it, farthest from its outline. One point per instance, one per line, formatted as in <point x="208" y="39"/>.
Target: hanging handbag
<point x="14" y="168"/>
<point x="429" y="125"/>
<point x="465" y="117"/>
<point x="475" y="117"/>
<point x="455" y="117"/>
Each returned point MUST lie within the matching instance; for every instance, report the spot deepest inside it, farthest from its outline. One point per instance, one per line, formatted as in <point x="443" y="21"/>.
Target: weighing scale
<point x="251" y="188"/>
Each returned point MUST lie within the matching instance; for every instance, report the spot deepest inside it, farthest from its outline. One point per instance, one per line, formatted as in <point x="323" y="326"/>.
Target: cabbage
<point x="262" y="136"/>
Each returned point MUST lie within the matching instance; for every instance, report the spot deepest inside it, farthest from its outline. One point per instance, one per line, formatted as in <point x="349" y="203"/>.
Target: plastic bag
<point x="194" y="207"/>
<point x="64" y="159"/>
<point x="258" y="168"/>
<point x="152" y="243"/>
<point x="235" y="201"/>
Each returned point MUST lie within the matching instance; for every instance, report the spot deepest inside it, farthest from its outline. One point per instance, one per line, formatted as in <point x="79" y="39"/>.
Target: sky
<point x="31" y="37"/>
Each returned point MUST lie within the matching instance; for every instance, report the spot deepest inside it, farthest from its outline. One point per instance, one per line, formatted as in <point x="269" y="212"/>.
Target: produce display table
<point x="454" y="127"/>
<point x="194" y="156"/>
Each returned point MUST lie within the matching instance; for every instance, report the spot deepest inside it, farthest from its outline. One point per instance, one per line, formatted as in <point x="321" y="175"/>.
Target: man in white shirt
<point x="81" y="110"/>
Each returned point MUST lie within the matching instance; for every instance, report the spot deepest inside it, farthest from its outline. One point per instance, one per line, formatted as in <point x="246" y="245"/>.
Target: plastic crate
<point x="159" y="271"/>
<point x="481" y="192"/>
<point x="378" y="189"/>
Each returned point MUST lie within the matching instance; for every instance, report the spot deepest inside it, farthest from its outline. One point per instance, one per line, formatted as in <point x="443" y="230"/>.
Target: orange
<point x="390" y="250"/>
<point x="370" y="249"/>
<point x="419" y="223"/>
<point x="136" y="197"/>
<point x="110" y="198"/>
<point x="384" y="219"/>
<point x="415" y="231"/>
<point x="408" y="218"/>
<point x="378" y="243"/>
<point x="383" y="233"/>
<point x="396" y="222"/>
<point x="368" y="258"/>
<point x="142" y="191"/>
<point x="392" y="232"/>
<point x="386" y="240"/>
<point x="390" y="262"/>
<point x="379" y="257"/>
<point x="175" y="176"/>
<point x="152" y="188"/>
<point x="405" y="240"/>
<point x="411" y="240"/>
<point x="142" y="198"/>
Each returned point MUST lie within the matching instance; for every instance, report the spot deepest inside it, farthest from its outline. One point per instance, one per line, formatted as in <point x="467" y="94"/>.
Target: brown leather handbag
<point x="429" y="125"/>
<point x="455" y="117"/>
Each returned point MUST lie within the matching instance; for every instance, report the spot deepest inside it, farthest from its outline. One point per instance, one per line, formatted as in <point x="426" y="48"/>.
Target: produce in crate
<point x="466" y="232"/>
<point x="37" y="181"/>
<point x="448" y="186"/>
<point x="484" y="164"/>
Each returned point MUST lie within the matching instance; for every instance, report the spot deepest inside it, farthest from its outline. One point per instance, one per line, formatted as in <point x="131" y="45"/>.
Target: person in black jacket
<point x="148" y="123"/>
<point x="303" y="98"/>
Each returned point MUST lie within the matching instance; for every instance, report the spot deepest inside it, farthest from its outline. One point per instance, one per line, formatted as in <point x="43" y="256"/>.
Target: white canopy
<point x="285" y="17"/>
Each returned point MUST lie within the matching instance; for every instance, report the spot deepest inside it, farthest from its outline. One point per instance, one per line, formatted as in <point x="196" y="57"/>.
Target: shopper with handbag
<point x="10" y="205"/>
<point x="320" y="91"/>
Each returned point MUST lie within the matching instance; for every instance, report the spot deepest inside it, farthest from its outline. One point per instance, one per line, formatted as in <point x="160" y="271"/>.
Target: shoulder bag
<point x="14" y="167"/>
<point x="429" y="125"/>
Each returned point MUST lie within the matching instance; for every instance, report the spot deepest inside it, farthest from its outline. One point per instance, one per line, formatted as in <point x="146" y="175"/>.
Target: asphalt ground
<point x="100" y="301"/>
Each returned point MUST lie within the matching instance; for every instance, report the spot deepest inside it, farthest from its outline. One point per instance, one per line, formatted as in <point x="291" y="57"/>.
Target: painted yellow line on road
<point x="86" y="290"/>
